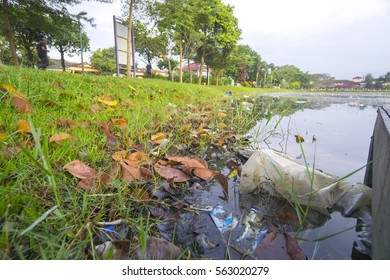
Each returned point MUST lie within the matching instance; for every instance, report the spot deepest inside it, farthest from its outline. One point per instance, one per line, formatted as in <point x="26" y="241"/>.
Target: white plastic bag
<point x="291" y="180"/>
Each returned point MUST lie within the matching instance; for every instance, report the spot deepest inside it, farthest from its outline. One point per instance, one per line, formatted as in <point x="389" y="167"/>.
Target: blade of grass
<point x="40" y="219"/>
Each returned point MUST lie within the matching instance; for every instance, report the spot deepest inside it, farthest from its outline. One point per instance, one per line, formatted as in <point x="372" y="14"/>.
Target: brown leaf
<point x="204" y="173"/>
<point x="66" y="123"/>
<point x="23" y="127"/>
<point x="293" y="249"/>
<point x="111" y="140"/>
<point x="58" y="139"/>
<point x="159" y="249"/>
<point x="224" y="184"/>
<point x="189" y="162"/>
<point x="108" y="176"/>
<point x="140" y="194"/>
<point x="130" y="173"/>
<point x="119" y="123"/>
<point x="80" y="170"/>
<point x="95" y="108"/>
<point x="138" y="156"/>
<point x="276" y="246"/>
<point x="21" y="105"/>
<point x="126" y="103"/>
<point x="171" y="173"/>
<point x="159" y="212"/>
<point x="102" y="181"/>
<point x="57" y="84"/>
<point x="119" y="155"/>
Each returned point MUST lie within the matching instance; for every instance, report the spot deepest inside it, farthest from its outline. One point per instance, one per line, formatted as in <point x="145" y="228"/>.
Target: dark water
<point x="342" y="128"/>
<point x="337" y="138"/>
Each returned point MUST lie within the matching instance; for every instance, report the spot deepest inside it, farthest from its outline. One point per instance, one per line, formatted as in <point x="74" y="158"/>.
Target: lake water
<point x="337" y="133"/>
<point x="342" y="126"/>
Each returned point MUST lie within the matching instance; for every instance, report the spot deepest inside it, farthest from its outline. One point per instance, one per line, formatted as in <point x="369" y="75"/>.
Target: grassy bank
<point x="48" y="120"/>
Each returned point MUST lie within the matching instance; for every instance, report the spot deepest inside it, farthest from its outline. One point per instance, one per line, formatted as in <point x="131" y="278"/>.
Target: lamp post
<point x="79" y="15"/>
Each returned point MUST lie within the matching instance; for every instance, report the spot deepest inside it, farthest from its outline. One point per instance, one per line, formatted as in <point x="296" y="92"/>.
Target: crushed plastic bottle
<point x="222" y="219"/>
<point x="251" y="234"/>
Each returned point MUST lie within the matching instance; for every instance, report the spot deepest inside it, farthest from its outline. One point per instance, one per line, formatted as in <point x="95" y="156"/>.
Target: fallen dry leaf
<point x="130" y="173"/>
<point x="299" y="139"/>
<point x="126" y="103"/>
<point x="221" y="179"/>
<point x="111" y="140"/>
<point x="81" y="170"/>
<point x="95" y="108"/>
<point x="3" y="135"/>
<point x="119" y="155"/>
<point x="8" y="88"/>
<point x="23" y="127"/>
<point x="22" y="105"/>
<point x="158" y="138"/>
<point x="170" y="173"/>
<point x="119" y="123"/>
<point x="186" y="127"/>
<point x="107" y="100"/>
<point x="57" y="84"/>
<point x="158" y="249"/>
<point x="203" y="173"/>
<point x="66" y="123"/>
<point x="140" y="194"/>
<point x="102" y="181"/>
<point x="58" y="139"/>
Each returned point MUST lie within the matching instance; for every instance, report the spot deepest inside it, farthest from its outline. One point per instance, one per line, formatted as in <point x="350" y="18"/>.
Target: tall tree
<point x="218" y="27"/>
<point x="9" y="32"/>
<point x="104" y="60"/>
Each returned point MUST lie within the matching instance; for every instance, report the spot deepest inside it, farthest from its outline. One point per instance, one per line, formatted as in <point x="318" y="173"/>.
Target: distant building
<point x="77" y="68"/>
<point x="358" y="79"/>
<point x="194" y="68"/>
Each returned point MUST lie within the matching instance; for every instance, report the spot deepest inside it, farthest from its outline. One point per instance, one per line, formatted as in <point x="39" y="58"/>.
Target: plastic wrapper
<point x="281" y="175"/>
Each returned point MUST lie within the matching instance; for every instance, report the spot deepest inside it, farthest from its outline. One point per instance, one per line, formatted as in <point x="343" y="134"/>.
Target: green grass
<point x="42" y="213"/>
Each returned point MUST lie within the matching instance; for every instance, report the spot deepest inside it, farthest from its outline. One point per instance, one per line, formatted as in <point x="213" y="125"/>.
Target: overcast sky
<point x="344" y="38"/>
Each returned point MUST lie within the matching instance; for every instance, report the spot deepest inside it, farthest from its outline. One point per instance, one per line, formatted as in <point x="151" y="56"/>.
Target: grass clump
<point x="43" y="215"/>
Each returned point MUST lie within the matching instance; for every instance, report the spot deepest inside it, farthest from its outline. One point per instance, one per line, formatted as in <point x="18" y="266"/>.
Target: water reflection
<point x="337" y="133"/>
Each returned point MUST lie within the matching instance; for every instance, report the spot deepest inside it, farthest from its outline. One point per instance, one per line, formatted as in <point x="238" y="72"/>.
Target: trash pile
<point x="252" y="217"/>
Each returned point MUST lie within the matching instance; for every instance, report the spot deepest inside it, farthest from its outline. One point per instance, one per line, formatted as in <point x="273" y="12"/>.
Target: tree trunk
<point x="129" y="41"/>
<point x="189" y="71"/>
<point x="216" y="76"/>
<point x="208" y="75"/>
<point x="62" y="52"/>
<point x="10" y="35"/>
<point x="201" y="65"/>
<point x="257" y="78"/>
<point x="181" y="59"/>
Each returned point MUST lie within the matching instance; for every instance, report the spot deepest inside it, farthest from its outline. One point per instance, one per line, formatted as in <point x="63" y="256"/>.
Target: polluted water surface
<point x="262" y="224"/>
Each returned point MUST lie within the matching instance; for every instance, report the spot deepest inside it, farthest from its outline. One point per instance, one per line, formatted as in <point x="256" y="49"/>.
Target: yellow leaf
<point x="222" y="115"/>
<point x="23" y="127"/>
<point x="108" y="102"/>
<point x="186" y="127"/>
<point x="9" y="88"/>
<point x="3" y="135"/>
<point x="299" y="139"/>
<point x="221" y="125"/>
<point x="58" y="139"/>
<point x="131" y="87"/>
<point x="120" y="123"/>
<point x="233" y="174"/>
<point x="157" y="138"/>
